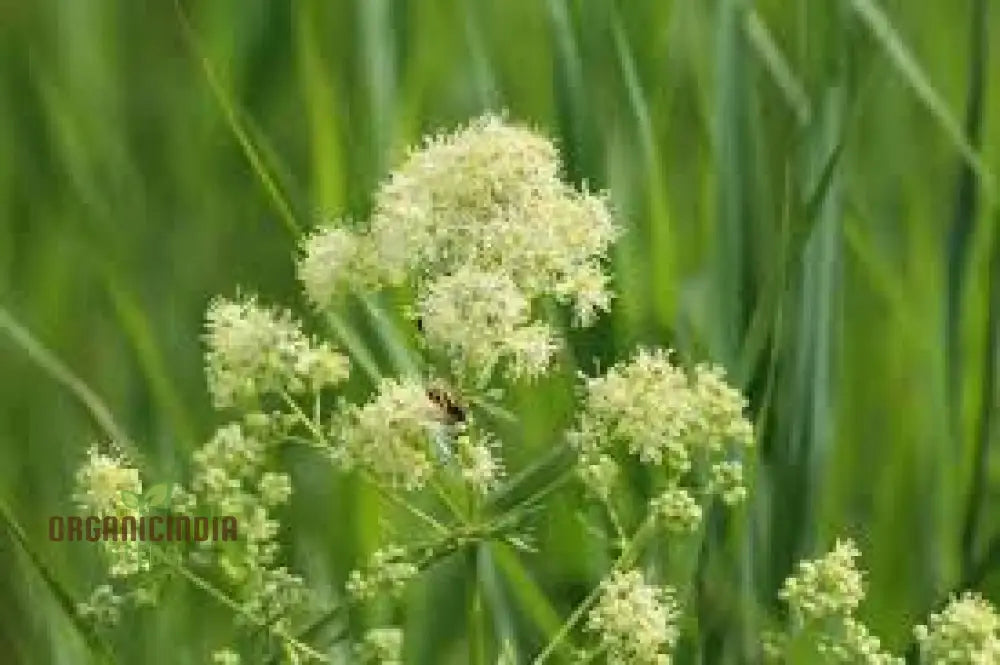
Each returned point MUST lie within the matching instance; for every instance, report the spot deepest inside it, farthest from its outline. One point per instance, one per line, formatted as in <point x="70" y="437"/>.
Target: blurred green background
<point x="809" y="194"/>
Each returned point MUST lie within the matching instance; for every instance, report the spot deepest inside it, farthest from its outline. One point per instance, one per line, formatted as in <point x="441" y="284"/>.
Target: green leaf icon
<point x="131" y="499"/>
<point x="158" y="495"/>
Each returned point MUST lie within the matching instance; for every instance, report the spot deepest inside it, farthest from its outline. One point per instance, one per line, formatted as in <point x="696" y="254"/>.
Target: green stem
<point x="476" y="615"/>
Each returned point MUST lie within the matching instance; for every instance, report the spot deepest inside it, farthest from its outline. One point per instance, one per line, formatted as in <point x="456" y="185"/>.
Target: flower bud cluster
<point x="103" y="607"/>
<point x="636" y="623"/>
<point x="829" y="586"/>
<point x="388" y="573"/>
<point x="480" y="223"/>
<point x="822" y="597"/>
<point x="101" y="482"/>
<point x="381" y="646"/>
<point x="677" y="510"/>
<point x="254" y="350"/>
<point x="230" y="477"/>
<point x="690" y="425"/>
<point x="965" y="632"/>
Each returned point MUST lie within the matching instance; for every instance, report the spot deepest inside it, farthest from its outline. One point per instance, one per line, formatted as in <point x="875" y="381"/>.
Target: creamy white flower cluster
<point x="691" y="425"/>
<point x="965" y="632"/>
<point x="230" y="478"/>
<point x="393" y="435"/>
<point x="829" y="586"/>
<point x="636" y="623"/>
<point x="101" y="482"/>
<point x="403" y="437"/>
<point x="480" y="223"/>
<point x="822" y="597"/>
<point x="254" y="350"/>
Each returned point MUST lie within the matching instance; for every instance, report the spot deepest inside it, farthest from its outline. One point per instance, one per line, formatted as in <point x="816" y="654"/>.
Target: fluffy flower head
<point x="254" y="350"/>
<point x="654" y="410"/>
<point x="481" y="208"/>
<point x="966" y="632"/>
<point x="826" y="587"/>
<point x="393" y="435"/>
<point x="636" y="622"/>
<point x="101" y="480"/>
<point x="482" y="319"/>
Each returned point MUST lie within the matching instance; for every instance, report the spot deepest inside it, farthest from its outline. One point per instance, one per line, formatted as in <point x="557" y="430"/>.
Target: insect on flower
<point x="443" y="396"/>
<point x="445" y="399"/>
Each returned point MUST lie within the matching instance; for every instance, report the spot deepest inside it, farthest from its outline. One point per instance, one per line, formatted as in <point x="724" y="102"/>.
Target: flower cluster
<point x="678" y="510"/>
<point x="402" y="437"/>
<point x="101" y="482"/>
<point x="393" y="436"/>
<point x="822" y="597"/>
<point x="388" y="572"/>
<point x="691" y="425"/>
<point x="381" y="646"/>
<point x="480" y="223"/>
<point x="482" y="317"/>
<point x="255" y="350"/>
<point x="829" y="586"/>
<point x="636" y="622"/>
<point x="230" y="478"/>
<point x="965" y="632"/>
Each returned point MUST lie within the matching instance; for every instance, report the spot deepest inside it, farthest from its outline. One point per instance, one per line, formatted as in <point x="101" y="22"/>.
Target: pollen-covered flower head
<point x="100" y="481"/>
<point x="826" y="587"/>
<point x="485" y="202"/>
<point x="654" y="410"/>
<point x="254" y="350"/>
<point x="965" y="632"/>
<point x="491" y="192"/>
<point x="392" y="436"/>
<point x="335" y="258"/>
<point x="483" y="319"/>
<point x="636" y="622"/>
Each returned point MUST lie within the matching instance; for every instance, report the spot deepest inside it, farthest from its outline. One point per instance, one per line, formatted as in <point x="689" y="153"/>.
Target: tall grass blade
<point x="913" y="74"/>
<point x="959" y="246"/>
<point x="52" y="366"/>
<point x="777" y="66"/>
<point x="98" y="647"/>
<point x="232" y="119"/>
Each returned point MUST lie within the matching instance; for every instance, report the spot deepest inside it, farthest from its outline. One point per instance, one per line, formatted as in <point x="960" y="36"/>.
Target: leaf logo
<point x="157" y="496"/>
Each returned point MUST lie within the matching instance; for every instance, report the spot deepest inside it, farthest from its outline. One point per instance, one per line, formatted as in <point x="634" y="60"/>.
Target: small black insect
<point x="453" y="411"/>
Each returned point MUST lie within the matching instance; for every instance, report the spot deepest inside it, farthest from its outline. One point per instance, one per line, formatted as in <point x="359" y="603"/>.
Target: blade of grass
<point x="52" y="366"/>
<point x="529" y="598"/>
<point x="777" y="66"/>
<point x="140" y="332"/>
<point x="98" y="647"/>
<point x="988" y="418"/>
<point x="959" y="238"/>
<point x="321" y="104"/>
<point x="231" y="116"/>
<point x="913" y="74"/>
<point x="661" y="234"/>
